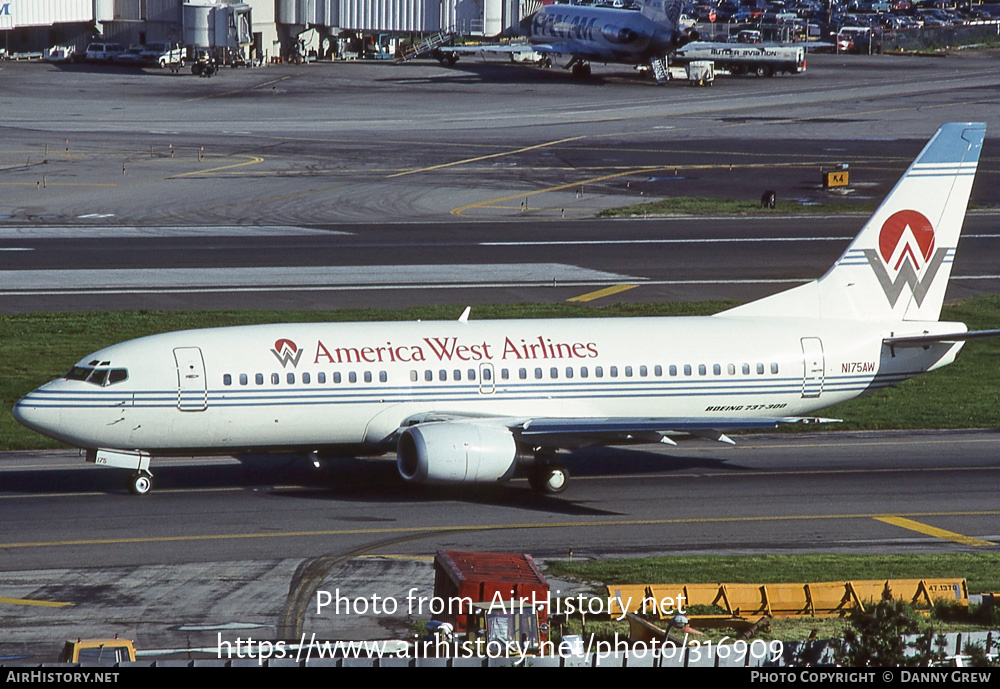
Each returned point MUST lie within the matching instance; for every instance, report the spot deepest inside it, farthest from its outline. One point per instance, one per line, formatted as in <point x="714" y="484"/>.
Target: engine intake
<point x="456" y="452"/>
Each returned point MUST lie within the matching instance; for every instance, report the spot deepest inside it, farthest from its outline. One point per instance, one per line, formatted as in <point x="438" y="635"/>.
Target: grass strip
<point x="699" y="205"/>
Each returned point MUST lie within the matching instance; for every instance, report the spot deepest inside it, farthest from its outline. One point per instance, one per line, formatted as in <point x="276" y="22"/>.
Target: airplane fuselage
<point x="318" y="386"/>
<point x="595" y="33"/>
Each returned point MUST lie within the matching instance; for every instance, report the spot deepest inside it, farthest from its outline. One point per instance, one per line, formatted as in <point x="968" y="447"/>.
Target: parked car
<point x="103" y="52"/>
<point x="132" y="56"/>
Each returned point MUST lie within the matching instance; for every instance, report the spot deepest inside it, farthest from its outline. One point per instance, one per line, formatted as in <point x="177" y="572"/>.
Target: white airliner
<point x="466" y="401"/>
<point x="643" y="34"/>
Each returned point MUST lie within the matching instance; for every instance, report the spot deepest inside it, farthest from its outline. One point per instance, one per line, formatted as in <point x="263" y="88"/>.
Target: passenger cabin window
<point x="227" y="379"/>
<point x="259" y="379"/>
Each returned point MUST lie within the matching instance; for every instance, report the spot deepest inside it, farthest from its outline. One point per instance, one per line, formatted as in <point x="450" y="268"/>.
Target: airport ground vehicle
<point x="103" y="52"/>
<point x="98" y="651"/>
<point x="762" y="59"/>
<point x="164" y="54"/>
<point x="494" y="597"/>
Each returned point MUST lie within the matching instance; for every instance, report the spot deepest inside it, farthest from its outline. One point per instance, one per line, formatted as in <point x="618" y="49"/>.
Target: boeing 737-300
<point x="471" y="401"/>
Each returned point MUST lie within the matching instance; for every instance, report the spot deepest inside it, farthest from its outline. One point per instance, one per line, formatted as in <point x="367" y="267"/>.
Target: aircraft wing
<point x="573" y="432"/>
<point x="582" y="50"/>
<point x="568" y="432"/>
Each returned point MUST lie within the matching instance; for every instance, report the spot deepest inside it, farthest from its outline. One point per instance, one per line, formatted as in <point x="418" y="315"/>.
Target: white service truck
<point x="762" y="59"/>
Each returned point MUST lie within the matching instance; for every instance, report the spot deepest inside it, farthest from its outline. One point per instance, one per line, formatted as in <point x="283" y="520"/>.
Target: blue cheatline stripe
<point x="454" y="394"/>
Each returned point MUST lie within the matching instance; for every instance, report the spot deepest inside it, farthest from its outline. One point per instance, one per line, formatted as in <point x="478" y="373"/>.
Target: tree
<point x="876" y="638"/>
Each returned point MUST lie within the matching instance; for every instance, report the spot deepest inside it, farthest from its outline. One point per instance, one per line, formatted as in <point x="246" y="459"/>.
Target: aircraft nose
<point x="28" y="411"/>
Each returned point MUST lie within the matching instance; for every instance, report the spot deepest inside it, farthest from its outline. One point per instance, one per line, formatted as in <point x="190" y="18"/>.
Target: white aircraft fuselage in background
<point x="477" y="401"/>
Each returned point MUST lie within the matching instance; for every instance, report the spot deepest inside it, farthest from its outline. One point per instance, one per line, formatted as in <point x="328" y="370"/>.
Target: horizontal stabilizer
<point x="924" y="340"/>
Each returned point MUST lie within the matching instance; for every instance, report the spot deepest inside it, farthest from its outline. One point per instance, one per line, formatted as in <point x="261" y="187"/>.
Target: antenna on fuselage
<point x="464" y="318"/>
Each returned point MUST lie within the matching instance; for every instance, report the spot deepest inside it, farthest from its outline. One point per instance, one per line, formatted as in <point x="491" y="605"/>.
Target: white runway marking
<point x="130" y="231"/>
<point x="141" y="280"/>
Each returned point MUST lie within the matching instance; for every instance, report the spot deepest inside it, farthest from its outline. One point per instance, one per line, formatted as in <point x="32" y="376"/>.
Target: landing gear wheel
<point x="549" y="479"/>
<point x="581" y="70"/>
<point x="140" y="484"/>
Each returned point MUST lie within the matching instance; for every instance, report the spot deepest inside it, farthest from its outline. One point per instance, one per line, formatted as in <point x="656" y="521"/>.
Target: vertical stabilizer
<point x="898" y="266"/>
<point x="664" y="12"/>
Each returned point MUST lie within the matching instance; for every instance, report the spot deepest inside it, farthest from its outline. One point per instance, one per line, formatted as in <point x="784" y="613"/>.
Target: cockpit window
<point x="97" y="376"/>
<point x="78" y="373"/>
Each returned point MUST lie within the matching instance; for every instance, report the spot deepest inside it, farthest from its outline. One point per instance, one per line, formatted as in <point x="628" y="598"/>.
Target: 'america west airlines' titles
<point x="437" y="349"/>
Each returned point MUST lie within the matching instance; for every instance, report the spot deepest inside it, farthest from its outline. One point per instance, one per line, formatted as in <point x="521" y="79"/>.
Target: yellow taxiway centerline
<point x="606" y="292"/>
<point x="483" y="527"/>
<point x="485" y="157"/>
<point x="904" y="523"/>
<point x="27" y="601"/>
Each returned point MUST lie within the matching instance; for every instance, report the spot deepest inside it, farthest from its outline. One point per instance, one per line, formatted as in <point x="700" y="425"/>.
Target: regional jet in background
<point x="642" y="34"/>
<point x="470" y="401"/>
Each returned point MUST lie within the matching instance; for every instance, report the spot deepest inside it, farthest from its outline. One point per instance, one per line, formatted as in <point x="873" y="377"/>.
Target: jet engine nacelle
<point x="456" y="452"/>
<point x="615" y="34"/>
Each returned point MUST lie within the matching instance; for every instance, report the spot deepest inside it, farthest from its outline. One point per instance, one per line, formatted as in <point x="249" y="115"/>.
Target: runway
<point x="218" y="541"/>
<point x="688" y="259"/>
<point x="358" y="185"/>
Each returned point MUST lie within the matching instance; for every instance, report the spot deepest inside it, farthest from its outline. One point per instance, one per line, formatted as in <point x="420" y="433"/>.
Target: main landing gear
<point x="548" y="478"/>
<point x="580" y="68"/>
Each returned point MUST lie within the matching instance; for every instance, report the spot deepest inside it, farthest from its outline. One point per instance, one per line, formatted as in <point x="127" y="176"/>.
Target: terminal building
<point x="262" y="30"/>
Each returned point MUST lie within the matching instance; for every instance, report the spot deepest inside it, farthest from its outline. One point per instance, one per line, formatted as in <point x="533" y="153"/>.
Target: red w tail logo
<point x="906" y="249"/>
<point x="287" y="351"/>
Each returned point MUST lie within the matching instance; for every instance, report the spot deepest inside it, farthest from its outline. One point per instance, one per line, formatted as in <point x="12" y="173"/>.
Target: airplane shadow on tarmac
<point x="374" y="480"/>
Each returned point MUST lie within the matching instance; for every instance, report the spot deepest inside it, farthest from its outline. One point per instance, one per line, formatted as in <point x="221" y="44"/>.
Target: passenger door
<point x="192" y="388"/>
